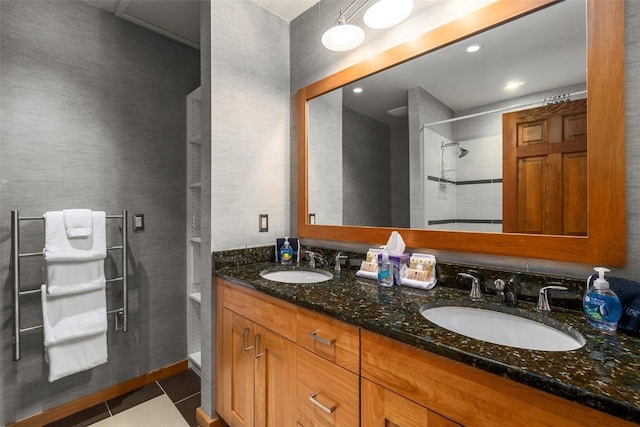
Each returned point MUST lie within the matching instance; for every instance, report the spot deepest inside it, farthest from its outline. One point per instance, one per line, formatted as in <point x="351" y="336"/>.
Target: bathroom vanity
<point x="350" y="353"/>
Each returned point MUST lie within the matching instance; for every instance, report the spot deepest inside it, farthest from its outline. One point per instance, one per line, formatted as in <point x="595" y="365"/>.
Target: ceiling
<point x="180" y="19"/>
<point x="545" y="50"/>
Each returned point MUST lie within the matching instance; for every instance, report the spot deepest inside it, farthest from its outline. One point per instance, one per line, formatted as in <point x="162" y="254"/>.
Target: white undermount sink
<point x="297" y="276"/>
<point x="502" y="328"/>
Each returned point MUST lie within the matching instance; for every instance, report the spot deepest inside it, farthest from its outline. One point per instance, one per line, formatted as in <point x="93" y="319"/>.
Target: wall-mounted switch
<point x="138" y="222"/>
<point x="264" y="223"/>
<point x="312" y="219"/>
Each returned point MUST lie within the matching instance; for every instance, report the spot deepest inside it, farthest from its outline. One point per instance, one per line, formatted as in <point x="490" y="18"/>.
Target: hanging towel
<point x="629" y="293"/>
<point x="78" y="222"/>
<point x="74" y="331"/>
<point x="64" y="278"/>
<point x="58" y="247"/>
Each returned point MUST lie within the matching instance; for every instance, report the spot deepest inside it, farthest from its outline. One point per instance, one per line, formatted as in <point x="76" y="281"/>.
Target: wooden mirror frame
<point x="605" y="243"/>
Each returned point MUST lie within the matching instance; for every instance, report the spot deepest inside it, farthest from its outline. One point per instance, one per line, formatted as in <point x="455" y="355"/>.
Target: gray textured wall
<point x="399" y="154"/>
<point x="311" y="62"/>
<point x="93" y="115"/>
<point x="366" y="186"/>
<point x="250" y="124"/>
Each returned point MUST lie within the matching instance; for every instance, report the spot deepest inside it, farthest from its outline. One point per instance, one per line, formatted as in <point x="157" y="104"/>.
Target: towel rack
<point x="15" y="276"/>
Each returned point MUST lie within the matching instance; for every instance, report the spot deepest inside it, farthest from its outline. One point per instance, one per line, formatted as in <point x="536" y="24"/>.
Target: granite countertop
<point x="603" y="374"/>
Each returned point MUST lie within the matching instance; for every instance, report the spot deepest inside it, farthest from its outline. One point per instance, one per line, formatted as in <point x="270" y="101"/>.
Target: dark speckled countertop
<point x="604" y="374"/>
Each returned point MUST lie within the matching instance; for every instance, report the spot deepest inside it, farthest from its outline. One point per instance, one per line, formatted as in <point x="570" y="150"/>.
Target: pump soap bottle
<point x="601" y="305"/>
<point x="286" y="252"/>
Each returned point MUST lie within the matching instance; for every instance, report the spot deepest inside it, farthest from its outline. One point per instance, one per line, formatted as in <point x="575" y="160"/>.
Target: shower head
<point x="461" y="151"/>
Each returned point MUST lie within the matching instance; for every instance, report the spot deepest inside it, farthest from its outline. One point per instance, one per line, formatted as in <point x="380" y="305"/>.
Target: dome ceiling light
<point x="343" y="36"/>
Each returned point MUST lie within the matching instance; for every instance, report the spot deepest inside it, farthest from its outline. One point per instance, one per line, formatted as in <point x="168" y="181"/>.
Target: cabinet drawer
<point x="330" y="339"/>
<point x="272" y="313"/>
<point x="328" y="395"/>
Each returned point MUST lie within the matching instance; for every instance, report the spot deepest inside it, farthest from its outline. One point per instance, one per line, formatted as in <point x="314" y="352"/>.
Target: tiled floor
<point x="170" y="402"/>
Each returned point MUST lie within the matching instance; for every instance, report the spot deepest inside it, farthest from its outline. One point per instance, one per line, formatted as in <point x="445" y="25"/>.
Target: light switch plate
<point x="263" y="225"/>
<point x="138" y="222"/>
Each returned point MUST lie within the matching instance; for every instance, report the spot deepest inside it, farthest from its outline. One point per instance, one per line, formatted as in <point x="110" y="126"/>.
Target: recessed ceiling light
<point x="513" y="85"/>
<point x="474" y="48"/>
<point x="357" y="90"/>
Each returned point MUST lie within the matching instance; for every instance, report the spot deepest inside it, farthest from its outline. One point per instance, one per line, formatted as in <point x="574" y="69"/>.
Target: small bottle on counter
<point x="384" y="270"/>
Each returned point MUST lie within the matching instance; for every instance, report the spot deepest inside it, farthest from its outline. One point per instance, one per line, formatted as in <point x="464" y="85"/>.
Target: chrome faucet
<point x="543" y="299"/>
<point x="339" y="257"/>
<point x="476" y="293"/>
<point x="316" y="260"/>
<point x="506" y="292"/>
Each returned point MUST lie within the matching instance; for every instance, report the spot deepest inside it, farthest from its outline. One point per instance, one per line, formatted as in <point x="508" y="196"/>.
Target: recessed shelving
<point x="193" y="224"/>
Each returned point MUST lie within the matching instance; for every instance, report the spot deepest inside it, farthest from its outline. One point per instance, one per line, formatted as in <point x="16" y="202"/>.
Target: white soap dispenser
<point x="601" y="305"/>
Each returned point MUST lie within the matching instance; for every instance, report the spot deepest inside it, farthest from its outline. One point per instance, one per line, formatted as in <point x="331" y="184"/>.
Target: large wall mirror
<point x="434" y="145"/>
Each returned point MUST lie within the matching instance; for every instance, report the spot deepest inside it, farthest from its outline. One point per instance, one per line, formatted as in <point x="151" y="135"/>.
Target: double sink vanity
<point x="362" y="354"/>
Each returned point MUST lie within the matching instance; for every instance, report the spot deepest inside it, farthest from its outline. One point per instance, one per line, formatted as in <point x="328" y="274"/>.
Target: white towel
<point x="74" y="331"/>
<point x="58" y="247"/>
<point x="78" y="222"/>
<point x="64" y="278"/>
<point x="76" y="356"/>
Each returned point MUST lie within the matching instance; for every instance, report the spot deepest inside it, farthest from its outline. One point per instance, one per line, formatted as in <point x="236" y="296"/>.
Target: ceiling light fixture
<point x="357" y="90"/>
<point x="343" y="36"/>
<point x="473" y="48"/>
<point x="387" y="13"/>
<point x="513" y="85"/>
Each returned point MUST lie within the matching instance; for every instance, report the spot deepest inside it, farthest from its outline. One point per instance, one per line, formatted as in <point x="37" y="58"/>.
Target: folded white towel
<point x="74" y="331"/>
<point x="60" y="248"/>
<point x="70" y="317"/>
<point x="78" y="222"/>
<point x="65" y="278"/>
<point x="76" y="356"/>
<point x="418" y="283"/>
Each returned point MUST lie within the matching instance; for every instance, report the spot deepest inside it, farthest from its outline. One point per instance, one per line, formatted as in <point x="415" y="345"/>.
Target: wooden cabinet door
<point x="384" y="408"/>
<point x="237" y="368"/>
<point x="545" y="170"/>
<point x="275" y="379"/>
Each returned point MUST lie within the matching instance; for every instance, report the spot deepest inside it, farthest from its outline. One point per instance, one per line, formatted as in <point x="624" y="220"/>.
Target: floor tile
<point x="181" y="385"/>
<point x="158" y="411"/>
<point x="84" y="418"/>
<point x="133" y="398"/>
<point x="187" y="408"/>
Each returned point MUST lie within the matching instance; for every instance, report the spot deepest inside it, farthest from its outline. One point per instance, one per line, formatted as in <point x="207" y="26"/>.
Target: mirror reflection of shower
<point x="460" y="150"/>
<point x="463" y="177"/>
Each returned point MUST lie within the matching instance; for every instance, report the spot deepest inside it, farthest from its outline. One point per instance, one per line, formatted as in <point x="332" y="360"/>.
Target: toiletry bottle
<point x="384" y="270"/>
<point x="601" y="305"/>
<point x="286" y="252"/>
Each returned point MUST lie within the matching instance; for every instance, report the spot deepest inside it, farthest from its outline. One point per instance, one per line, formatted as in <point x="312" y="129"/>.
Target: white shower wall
<point x="472" y="186"/>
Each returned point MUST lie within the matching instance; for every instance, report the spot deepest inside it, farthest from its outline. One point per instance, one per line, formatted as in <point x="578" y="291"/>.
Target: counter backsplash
<point x="527" y="285"/>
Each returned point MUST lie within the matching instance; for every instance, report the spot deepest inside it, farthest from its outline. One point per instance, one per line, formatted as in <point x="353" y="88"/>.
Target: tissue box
<point x="398" y="262"/>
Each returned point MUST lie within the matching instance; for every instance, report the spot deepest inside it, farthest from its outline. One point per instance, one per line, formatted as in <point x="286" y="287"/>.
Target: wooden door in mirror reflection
<point x="545" y="170"/>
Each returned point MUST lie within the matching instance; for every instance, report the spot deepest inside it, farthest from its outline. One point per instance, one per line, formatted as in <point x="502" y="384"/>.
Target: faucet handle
<point x="312" y="258"/>
<point x="475" y="294"/>
<point x="339" y="257"/>
<point x="543" y="299"/>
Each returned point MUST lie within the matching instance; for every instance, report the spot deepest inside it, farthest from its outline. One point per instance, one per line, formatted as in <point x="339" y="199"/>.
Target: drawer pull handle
<point x="320" y="339"/>
<point x="316" y="402"/>
<point x="245" y="334"/>
<point x="256" y="346"/>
